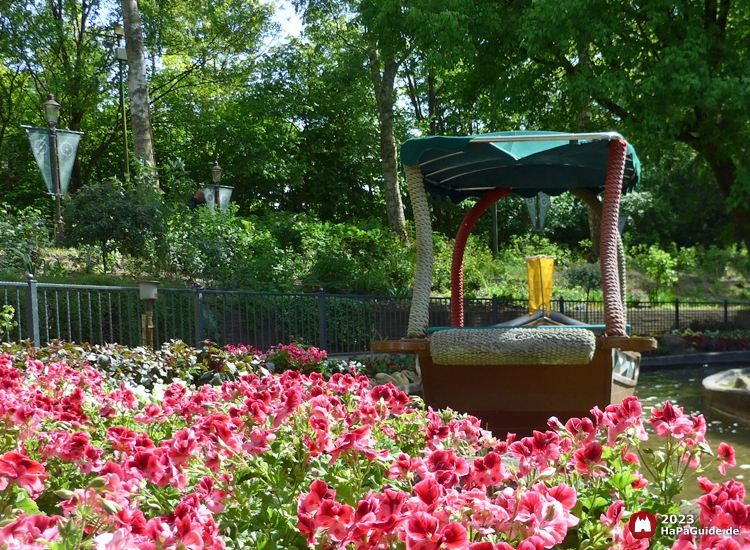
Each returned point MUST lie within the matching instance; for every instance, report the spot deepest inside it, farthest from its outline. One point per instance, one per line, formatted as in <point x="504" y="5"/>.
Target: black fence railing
<point x="334" y="322"/>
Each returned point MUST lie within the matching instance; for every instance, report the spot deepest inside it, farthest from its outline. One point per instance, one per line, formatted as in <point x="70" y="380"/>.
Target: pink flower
<point x="402" y="467"/>
<point x="522" y="450"/>
<point x="670" y="420"/>
<point x="358" y="440"/>
<point x="620" y="417"/>
<point x="428" y="491"/>
<point x="122" y="439"/>
<point x="589" y="456"/>
<point x="543" y="518"/>
<point x="289" y="403"/>
<point x="453" y="537"/>
<point x="545" y="447"/>
<point x="421" y="531"/>
<point x="147" y="465"/>
<point x="396" y="400"/>
<point x="150" y="413"/>
<point x="613" y="517"/>
<point x="182" y="446"/>
<point x="258" y="441"/>
<point x="17" y="469"/>
<point x="564" y="495"/>
<point x="489" y="470"/>
<point x="726" y="457"/>
<point x="119" y="540"/>
<point x="446" y="467"/>
<point x="319" y="492"/>
<point x="335" y="517"/>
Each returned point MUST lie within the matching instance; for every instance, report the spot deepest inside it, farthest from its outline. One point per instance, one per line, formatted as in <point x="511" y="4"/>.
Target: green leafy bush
<point x="6" y="319"/>
<point x="659" y="266"/>
<point x="23" y="236"/>
<point x="114" y="217"/>
<point x="586" y="276"/>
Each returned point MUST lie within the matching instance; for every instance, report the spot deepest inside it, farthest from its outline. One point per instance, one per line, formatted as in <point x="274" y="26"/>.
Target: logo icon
<point x="642" y="525"/>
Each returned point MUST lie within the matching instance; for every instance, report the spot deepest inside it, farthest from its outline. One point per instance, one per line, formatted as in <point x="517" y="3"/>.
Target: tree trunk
<point x="595" y="226"/>
<point x="383" y="85"/>
<point x="725" y="172"/>
<point x="140" y="110"/>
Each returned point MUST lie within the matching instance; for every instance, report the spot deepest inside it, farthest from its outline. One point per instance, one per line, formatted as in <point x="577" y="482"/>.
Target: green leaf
<point x="623" y="480"/>
<point x="25" y="503"/>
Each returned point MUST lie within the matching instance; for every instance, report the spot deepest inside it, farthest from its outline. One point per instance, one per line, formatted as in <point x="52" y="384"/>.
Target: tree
<point x="362" y="27"/>
<point x="660" y="71"/>
<point x="140" y="108"/>
<point x="52" y="47"/>
<point x="113" y="217"/>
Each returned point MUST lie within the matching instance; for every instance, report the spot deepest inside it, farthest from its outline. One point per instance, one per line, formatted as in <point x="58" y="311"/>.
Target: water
<point x="683" y="388"/>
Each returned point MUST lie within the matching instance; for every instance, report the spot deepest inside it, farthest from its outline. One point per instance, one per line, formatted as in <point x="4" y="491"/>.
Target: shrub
<point x="23" y="236"/>
<point x="587" y="276"/>
<point x="114" y="217"/>
<point x="659" y="265"/>
<point x="7" y="323"/>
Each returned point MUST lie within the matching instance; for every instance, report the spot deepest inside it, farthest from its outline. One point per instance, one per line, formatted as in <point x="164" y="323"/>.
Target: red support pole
<point x="457" y="264"/>
<point x="614" y="312"/>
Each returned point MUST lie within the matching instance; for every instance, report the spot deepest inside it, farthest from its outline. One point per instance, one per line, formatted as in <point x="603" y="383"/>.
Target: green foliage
<point x="715" y="260"/>
<point x="7" y="323"/>
<point x="24" y="234"/>
<point x="113" y="216"/>
<point x="586" y="276"/>
<point x="660" y="266"/>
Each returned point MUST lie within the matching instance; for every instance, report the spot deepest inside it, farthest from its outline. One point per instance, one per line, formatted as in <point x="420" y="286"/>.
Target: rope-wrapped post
<point x="590" y="199"/>
<point x="614" y="312"/>
<point x="419" y="315"/>
<point x="457" y="263"/>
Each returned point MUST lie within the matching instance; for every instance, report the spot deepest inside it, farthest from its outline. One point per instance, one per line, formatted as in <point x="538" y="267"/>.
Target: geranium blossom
<point x="17" y="469"/>
<point x="305" y="459"/>
<point x="670" y="420"/>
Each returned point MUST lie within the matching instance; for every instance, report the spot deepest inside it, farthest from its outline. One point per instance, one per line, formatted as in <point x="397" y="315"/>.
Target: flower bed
<point x="288" y="460"/>
<point x="716" y="340"/>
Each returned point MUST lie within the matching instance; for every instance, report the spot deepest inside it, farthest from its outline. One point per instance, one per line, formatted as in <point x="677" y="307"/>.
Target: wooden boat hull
<point x="721" y="401"/>
<point x="521" y="398"/>
<point x="518" y="398"/>
<point x="625" y="369"/>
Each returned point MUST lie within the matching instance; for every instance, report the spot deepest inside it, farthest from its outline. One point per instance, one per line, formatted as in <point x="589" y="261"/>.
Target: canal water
<point x="682" y="386"/>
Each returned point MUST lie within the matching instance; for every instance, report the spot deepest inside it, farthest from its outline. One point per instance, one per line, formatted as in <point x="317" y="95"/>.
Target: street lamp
<point x="122" y="57"/>
<point x="52" y="113"/>
<point x="54" y="151"/>
<point x="114" y="43"/>
<point x="217" y="192"/>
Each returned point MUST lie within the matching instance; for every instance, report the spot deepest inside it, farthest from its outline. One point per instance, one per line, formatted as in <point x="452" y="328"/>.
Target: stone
<point x="676" y="345"/>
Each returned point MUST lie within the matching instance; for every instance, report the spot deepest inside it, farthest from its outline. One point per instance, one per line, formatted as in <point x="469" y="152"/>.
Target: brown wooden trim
<point x="411" y="345"/>
<point x="625" y="343"/>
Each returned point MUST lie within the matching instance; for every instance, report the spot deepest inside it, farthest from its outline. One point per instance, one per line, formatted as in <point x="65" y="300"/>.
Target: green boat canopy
<point x="526" y="162"/>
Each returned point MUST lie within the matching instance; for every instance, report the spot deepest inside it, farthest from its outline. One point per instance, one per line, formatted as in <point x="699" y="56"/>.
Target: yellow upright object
<point x="540" y="270"/>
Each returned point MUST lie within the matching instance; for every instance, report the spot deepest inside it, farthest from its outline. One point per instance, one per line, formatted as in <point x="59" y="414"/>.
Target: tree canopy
<point x="311" y="123"/>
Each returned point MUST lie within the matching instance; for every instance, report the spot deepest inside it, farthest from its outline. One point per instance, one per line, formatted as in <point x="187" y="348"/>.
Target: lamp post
<point x="114" y="43"/>
<point x="217" y="193"/>
<point x="122" y="57"/>
<point x="52" y="113"/>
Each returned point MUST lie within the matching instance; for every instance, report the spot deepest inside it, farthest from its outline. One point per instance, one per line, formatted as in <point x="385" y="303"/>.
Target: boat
<point x="726" y="396"/>
<point x="514" y="378"/>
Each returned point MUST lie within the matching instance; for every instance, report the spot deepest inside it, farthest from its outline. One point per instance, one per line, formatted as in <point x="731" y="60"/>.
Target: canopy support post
<point x="457" y="263"/>
<point x="590" y="199"/>
<point x="419" y="315"/>
<point x="614" y="312"/>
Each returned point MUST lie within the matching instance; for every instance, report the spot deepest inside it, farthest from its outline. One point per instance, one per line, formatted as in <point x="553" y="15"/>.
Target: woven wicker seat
<point x="515" y="346"/>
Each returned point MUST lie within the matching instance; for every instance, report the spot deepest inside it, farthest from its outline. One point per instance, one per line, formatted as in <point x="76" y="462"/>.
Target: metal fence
<point x="334" y="322"/>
